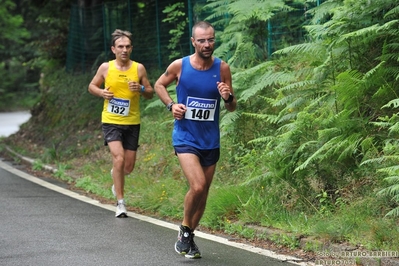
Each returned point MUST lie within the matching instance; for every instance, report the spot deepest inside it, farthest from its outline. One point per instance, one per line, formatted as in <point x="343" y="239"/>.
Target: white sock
<point x="121" y="201"/>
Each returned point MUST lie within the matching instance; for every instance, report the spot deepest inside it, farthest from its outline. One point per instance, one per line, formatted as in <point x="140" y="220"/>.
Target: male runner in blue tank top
<point x="202" y="82"/>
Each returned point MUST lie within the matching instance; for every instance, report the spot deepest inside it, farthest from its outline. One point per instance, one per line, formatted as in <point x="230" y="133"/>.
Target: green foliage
<point x="61" y="173"/>
<point x="16" y="92"/>
<point x="12" y="31"/>
<point x="71" y="93"/>
<point x="33" y="35"/>
<point x="37" y="165"/>
<point x="13" y="69"/>
<point x="159" y="196"/>
<point x="87" y="184"/>
<point x="321" y="97"/>
<point x="177" y="18"/>
<point x="245" y="30"/>
<point x="387" y="163"/>
<point x="312" y="148"/>
<point x="290" y="241"/>
<point x="353" y="226"/>
<point x="48" y="22"/>
<point x="223" y="205"/>
<point x="242" y="230"/>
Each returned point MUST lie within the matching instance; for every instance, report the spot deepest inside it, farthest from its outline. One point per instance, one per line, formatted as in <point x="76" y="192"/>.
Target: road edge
<point x="140" y="217"/>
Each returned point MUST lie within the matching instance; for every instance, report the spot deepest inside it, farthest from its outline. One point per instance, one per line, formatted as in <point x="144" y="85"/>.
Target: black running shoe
<point x="183" y="243"/>
<point x="194" y="252"/>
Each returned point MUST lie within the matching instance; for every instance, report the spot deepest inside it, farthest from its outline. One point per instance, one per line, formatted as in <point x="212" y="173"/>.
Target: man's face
<point x="204" y="42"/>
<point x="122" y="49"/>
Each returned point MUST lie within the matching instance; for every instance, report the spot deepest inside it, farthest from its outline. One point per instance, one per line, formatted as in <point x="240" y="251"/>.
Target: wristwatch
<point x="169" y="106"/>
<point x="230" y="99"/>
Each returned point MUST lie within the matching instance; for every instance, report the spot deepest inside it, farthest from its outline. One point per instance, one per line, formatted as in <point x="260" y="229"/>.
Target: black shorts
<point x="127" y="134"/>
<point x="207" y="157"/>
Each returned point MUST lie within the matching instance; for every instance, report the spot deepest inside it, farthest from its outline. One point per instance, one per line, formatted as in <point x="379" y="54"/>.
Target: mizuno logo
<point x="201" y="105"/>
<point x="119" y="103"/>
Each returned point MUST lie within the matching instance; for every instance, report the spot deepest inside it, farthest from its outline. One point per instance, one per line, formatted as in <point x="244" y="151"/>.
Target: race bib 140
<point x="200" y="109"/>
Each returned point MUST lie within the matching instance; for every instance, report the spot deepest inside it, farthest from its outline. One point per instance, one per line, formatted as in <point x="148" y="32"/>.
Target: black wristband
<point x="230" y="99"/>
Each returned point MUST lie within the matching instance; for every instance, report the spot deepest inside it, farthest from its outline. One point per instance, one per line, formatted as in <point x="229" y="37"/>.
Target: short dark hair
<point x="120" y="33"/>
<point x="202" y="25"/>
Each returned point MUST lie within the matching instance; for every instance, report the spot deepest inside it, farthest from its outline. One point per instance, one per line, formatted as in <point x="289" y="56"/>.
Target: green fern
<point x="244" y="23"/>
<point x="323" y="109"/>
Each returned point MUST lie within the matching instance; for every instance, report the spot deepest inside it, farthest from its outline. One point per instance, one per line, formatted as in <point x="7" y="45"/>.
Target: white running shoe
<point x="121" y="209"/>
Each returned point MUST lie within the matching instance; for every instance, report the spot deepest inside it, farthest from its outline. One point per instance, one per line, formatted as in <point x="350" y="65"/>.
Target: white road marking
<point x="86" y="199"/>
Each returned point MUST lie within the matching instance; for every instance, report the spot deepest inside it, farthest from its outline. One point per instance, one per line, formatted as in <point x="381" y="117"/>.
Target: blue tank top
<point x="197" y="89"/>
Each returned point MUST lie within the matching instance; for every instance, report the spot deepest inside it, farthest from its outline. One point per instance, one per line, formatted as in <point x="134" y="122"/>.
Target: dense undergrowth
<point x="65" y="131"/>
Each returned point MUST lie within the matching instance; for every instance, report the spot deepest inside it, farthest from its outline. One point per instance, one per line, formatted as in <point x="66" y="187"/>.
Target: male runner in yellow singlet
<point x="124" y="82"/>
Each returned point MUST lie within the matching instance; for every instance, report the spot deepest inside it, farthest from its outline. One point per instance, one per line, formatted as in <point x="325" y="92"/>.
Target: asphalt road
<point x="43" y="224"/>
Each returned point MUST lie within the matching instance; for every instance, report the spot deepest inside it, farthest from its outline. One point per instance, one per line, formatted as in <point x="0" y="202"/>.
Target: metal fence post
<point x="104" y="31"/>
<point x="190" y="23"/>
<point x="158" y="34"/>
<point x="269" y="38"/>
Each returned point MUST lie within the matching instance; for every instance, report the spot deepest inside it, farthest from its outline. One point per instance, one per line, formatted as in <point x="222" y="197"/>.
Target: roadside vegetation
<point x="312" y="150"/>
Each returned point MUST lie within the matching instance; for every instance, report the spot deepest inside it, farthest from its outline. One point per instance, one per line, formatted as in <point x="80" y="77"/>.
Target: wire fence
<point x="90" y="29"/>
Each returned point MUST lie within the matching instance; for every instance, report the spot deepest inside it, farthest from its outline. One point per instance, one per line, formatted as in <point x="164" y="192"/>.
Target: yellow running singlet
<point x="124" y="108"/>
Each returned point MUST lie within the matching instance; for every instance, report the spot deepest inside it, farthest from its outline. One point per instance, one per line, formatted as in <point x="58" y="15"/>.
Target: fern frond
<point x="297" y="85"/>
<point x="310" y="159"/>
<point x="244" y="53"/>
<point x="264" y="117"/>
<point x="266" y="139"/>
<point x="340" y="146"/>
<point x="377" y="161"/>
<point x="306" y="146"/>
<point x="361" y="33"/>
<point x="348" y="147"/>
<point x="383" y="159"/>
<point x="373" y="71"/>
<point x="307" y="48"/>
<point x="394" y="212"/>
<point x="287" y="117"/>
<point x="381" y="124"/>
<point x="218" y="9"/>
<point x="389" y="26"/>
<point x="268" y="79"/>
<point x="288" y="128"/>
<point x="393" y="103"/>
<point x="394" y="12"/>
<point x="392" y="171"/>
<point x="328" y="133"/>
<point x="321" y="12"/>
<point x="389" y="191"/>
<point x="253" y="71"/>
<point x="255" y="9"/>
<point x="394" y="128"/>
<point x="257" y="178"/>
<point x="155" y="104"/>
<point x="229" y="118"/>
